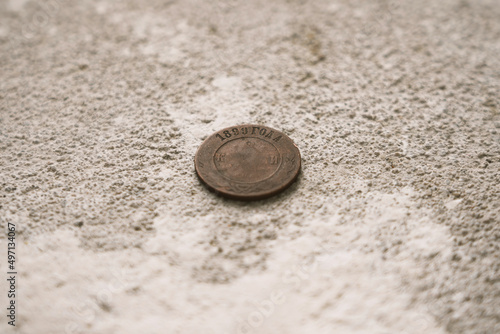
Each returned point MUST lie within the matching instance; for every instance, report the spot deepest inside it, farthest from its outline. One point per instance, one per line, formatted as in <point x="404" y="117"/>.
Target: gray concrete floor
<point x="392" y="227"/>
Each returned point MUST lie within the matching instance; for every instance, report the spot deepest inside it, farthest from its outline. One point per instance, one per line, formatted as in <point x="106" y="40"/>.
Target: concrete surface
<point x="393" y="226"/>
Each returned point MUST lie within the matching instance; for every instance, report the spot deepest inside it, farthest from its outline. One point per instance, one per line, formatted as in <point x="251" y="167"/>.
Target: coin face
<point x="247" y="162"/>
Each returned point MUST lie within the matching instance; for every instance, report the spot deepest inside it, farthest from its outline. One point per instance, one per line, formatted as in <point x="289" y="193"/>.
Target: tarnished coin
<point x="247" y="162"/>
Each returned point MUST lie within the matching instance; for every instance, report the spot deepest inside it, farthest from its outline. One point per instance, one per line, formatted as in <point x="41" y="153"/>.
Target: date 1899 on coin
<point x="248" y="162"/>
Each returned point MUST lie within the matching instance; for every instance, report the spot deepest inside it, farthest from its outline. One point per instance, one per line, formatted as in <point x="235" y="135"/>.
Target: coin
<point x="247" y="162"/>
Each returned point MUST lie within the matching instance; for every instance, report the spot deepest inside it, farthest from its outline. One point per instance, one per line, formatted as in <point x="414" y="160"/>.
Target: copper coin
<point x="247" y="162"/>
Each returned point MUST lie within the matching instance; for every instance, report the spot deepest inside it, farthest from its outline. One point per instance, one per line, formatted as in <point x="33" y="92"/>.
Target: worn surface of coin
<point x="248" y="162"/>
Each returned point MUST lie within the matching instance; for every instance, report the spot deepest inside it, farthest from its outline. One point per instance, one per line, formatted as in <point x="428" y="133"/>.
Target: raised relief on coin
<point x="248" y="162"/>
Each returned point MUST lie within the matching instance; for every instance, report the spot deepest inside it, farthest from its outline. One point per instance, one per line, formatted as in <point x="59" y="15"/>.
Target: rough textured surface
<point x="393" y="226"/>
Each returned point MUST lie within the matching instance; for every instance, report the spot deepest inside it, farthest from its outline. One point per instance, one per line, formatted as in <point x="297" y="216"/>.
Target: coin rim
<point x="251" y="196"/>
